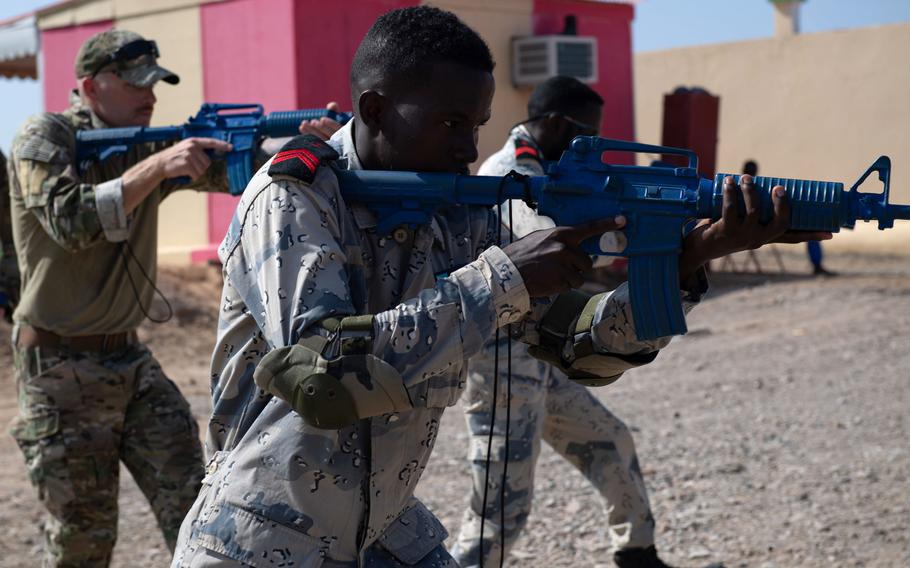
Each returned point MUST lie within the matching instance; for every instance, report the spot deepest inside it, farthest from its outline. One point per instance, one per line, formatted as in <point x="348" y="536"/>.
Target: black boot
<point x="819" y="270"/>
<point x="644" y="558"/>
<point x="638" y="558"/>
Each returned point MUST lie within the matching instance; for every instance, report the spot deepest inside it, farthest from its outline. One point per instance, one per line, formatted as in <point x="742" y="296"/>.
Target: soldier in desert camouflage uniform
<point x="9" y="268"/>
<point x="339" y="347"/>
<point x="544" y="402"/>
<point x="91" y="395"/>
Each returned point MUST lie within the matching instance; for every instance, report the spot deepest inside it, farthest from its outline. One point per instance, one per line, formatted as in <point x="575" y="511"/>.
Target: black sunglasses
<point x="130" y="51"/>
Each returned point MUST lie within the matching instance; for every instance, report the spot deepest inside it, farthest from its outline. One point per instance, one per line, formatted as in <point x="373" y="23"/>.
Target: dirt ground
<point x="773" y="435"/>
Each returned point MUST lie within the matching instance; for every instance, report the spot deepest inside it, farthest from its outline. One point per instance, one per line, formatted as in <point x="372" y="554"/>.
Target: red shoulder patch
<point x="524" y="149"/>
<point x="301" y="156"/>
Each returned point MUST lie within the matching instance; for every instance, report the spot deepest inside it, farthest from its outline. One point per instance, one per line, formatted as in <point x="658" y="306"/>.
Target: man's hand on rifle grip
<point x="187" y="158"/>
<point x="551" y="261"/>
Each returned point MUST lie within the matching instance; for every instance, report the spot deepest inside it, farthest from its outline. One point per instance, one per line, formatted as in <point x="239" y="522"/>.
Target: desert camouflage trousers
<point x="80" y="415"/>
<point x="545" y="404"/>
<point x="216" y="534"/>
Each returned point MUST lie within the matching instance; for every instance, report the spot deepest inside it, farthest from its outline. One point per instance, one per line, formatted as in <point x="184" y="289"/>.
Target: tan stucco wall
<point x="131" y="8"/>
<point x="75" y="14"/>
<point x="497" y="22"/>
<point x="818" y="106"/>
<point x="87" y="11"/>
<point x="183" y="217"/>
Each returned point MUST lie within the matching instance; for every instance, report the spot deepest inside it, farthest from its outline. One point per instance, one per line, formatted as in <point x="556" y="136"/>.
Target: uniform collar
<point x="343" y="143"/>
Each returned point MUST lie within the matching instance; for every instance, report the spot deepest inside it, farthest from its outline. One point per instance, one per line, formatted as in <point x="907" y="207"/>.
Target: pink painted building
<point x="288" y="54"/>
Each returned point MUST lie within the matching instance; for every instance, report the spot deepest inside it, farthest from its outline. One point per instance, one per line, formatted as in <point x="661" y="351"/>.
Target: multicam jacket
<point x="296" y="254"/>
<point x="79" y="254"/>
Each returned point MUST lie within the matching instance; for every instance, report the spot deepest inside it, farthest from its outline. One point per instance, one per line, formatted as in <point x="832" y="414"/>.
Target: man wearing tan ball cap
<point x="90" y="394"/>
<point x="125" y="53"/>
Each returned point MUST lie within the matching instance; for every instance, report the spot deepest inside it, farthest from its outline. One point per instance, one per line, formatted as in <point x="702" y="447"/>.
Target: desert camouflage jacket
<point x="522" y="154"/>
<point x="296" y="254"/>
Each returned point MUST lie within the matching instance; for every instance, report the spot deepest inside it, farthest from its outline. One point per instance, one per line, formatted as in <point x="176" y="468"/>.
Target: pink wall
<point x="248" y="52"/>
<point x="288" y="54"/>
<point x="248" y="56"/>
<point x="324" y="72"/>
<point x="58" y="52"/>
<point x="611" y="24"/>
<point x="283" y="54"/>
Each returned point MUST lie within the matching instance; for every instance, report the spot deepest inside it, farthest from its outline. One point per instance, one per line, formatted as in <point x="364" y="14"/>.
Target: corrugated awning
<point x="19" y="48"/>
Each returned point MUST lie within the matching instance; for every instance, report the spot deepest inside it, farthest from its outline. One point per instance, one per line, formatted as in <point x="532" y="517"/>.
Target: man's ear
<point x="87" y="87"/>
<point x="371" y="105"/>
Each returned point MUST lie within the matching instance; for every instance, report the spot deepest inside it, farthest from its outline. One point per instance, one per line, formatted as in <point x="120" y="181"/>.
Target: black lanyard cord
<point x="124" y="248"/>
<point x="513" y="175"/>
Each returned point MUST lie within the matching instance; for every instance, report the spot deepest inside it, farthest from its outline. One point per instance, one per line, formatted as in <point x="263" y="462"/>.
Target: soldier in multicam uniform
<point x="339" y="347"/>
<point x="90" y="394"/>
<point x="544" y="402"/>
<point x="9" y="267"/>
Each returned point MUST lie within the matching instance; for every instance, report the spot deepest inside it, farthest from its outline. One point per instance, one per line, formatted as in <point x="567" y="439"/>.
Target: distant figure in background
<point x="815" y="257"/>
<point x="750" y="167"/>
<point x="813" y="247"/>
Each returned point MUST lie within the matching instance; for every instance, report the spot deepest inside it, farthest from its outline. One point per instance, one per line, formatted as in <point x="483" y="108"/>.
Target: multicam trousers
<point x="545" y="404"/>
<point x="80" y="414"/>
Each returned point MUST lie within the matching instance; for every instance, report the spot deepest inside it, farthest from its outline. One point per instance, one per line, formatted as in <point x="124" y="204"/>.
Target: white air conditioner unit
<point x="537" y="58"/>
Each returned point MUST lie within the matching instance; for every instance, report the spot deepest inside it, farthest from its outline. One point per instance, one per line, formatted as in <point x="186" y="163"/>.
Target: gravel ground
<point x="774" y="434"/>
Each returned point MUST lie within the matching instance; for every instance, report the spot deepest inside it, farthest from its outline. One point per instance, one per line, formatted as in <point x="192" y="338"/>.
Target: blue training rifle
<point x="228" y="122"/>
<point x="656" y="201"/>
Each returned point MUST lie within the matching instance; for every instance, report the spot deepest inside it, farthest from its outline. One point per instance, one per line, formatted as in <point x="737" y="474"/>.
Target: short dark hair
<point x="750" y="167"/>
<point x="561" y="94"/>
<point x="403" y="44"/>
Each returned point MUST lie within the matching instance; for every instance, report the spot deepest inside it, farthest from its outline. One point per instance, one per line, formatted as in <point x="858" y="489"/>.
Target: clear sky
<point x="659" y="24"/>
<point x="665" y="24"/>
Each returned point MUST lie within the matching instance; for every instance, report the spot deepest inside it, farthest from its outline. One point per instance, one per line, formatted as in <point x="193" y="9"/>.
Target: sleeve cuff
<point x="109" y="203"/>
<point x="509" y="298"/>
<point x="494" y="274"/>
